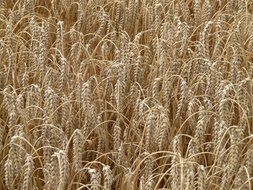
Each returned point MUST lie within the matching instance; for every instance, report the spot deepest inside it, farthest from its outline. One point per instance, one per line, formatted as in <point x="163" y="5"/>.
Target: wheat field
<point x="126" y="94"/>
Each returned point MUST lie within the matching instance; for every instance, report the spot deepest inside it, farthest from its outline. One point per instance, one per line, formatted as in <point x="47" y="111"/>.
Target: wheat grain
<point x="28" y="174"/>
<point x="150" y="94"/>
